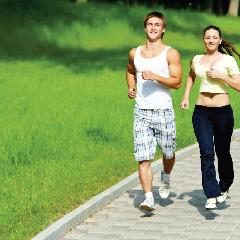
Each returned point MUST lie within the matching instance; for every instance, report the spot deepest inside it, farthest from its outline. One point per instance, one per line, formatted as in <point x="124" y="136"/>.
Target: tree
<point x="233" y="8"/>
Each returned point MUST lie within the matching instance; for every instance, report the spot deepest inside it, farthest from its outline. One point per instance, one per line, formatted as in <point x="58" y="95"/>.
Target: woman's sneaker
<point x="222" y="197"/>
<point x="147" y="205"/>
<point x="211" y="204"/>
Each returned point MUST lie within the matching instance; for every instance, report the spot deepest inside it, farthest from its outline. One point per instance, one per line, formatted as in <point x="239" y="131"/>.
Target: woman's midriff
<point x="213" y="99"/>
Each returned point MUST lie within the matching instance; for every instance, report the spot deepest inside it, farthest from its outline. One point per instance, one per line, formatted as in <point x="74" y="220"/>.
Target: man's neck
<point x="154" y="44"/>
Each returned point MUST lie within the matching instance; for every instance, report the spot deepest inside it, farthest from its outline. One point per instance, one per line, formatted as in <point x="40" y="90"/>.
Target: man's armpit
<point x="130" y="68"/>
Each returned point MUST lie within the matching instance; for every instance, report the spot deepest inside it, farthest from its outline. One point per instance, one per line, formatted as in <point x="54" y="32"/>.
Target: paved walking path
<point x="182" y="216"/>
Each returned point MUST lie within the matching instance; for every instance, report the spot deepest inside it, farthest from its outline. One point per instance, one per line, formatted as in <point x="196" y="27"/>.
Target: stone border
<point x="72" y="219"/>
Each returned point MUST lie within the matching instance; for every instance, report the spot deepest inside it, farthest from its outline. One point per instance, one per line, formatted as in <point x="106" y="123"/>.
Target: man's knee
<point x="170" y="157"/>
<point x="144" y="163"/>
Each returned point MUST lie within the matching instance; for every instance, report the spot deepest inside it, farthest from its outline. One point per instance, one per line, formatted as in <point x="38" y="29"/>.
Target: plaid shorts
<point x="152" y="127"/>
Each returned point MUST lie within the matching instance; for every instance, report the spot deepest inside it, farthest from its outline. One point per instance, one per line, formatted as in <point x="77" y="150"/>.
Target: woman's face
<point x="212" y="40"/>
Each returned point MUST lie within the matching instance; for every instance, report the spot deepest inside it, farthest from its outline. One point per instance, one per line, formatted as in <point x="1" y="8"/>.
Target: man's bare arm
<point x="130" y="74"/>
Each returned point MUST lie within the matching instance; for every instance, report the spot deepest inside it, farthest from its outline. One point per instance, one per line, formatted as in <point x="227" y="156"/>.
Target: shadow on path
<point x="198" y="200"/>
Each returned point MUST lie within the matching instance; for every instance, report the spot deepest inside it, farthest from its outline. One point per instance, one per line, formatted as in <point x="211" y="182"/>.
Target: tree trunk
<point x="80" y="1"/>
<point x="220" y="8"/>
<point x="210" y="6"/>
<point x="233" y="8"/>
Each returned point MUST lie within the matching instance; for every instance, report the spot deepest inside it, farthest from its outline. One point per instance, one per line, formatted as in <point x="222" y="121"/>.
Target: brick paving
<point x="180" y="217"/>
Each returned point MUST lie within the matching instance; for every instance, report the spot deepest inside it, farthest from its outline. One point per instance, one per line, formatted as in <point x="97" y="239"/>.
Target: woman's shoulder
<point x="228" y="60"/>
<point x="197" y="58"/>
<point x="228" y="57"/>
<point x="194" y="62"/>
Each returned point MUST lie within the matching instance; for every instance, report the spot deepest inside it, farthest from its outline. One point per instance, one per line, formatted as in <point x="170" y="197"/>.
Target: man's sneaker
<point x="164" y="189"/>
<point x="211" y="203"/>
<point x="147" y="205"/>
<point x="222" y="197"/>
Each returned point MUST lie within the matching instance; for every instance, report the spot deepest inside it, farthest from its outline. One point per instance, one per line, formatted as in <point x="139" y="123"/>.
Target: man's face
<point x="154" y="28"/>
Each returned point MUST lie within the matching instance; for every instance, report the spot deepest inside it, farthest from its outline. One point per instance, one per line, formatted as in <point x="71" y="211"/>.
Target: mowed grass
<point x="66" y="121"/>
<point x="61" y="143"/>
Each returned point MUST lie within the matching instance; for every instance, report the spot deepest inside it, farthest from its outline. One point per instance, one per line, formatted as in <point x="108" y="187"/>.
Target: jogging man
<point x="153" y="69"/>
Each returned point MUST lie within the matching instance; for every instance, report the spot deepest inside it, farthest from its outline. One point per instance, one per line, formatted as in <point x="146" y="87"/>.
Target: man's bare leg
<point x="146" y="178"/>
<point x="168" y="164"/>
<point x="145" y="175"/>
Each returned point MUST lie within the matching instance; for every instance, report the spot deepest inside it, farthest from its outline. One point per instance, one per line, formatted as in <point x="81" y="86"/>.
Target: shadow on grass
<point x="21" y="41"/>
<point x="78" y="60"/>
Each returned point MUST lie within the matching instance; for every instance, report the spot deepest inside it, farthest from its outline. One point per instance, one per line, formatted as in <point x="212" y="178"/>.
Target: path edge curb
<point x="59" y="228"/>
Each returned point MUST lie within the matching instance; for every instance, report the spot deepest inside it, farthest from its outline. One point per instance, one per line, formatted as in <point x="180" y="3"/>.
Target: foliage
<point x="219" y="7"/>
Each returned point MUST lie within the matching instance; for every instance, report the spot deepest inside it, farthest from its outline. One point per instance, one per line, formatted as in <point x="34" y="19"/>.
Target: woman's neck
<point x="212" y="53"/>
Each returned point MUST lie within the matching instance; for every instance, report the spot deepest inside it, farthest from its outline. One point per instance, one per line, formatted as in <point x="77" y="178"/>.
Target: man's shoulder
<point x="172" y="53"/>
<point x="171" y="50"/>
<point x="132" y="52"/>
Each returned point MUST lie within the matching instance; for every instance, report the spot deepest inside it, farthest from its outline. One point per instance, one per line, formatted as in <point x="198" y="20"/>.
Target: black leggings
<point x="213" y="127"/>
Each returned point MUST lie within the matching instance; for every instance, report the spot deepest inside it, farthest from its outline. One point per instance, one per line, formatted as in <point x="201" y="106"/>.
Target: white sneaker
<point x="211" y="203"/>
<point x="147" y="205"/>
<point x="164" y="189"/>
<point x="222" y="197"/>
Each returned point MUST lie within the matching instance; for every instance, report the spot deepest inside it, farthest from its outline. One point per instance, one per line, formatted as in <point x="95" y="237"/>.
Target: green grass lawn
<point x="66" y="121"/>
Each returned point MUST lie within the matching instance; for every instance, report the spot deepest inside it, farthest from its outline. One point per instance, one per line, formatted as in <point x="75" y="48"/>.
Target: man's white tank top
<point x="152" y="94"/>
